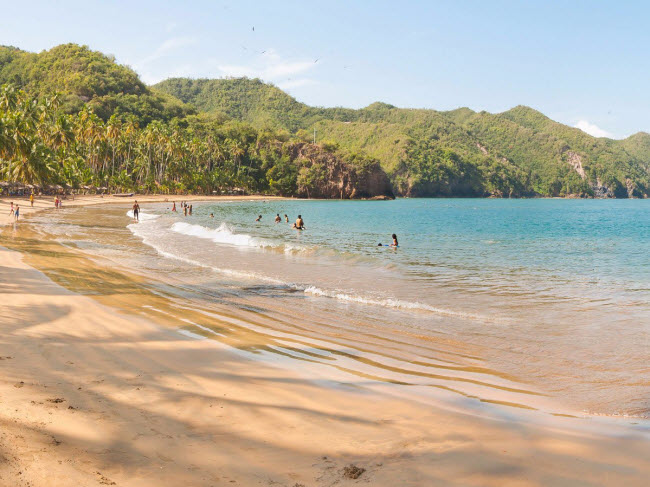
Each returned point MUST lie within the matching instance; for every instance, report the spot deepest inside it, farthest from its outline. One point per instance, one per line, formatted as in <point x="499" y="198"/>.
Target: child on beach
<point x="395" y="243"/>
<point x="11" y="210"/>
<point x="31" y="199"/>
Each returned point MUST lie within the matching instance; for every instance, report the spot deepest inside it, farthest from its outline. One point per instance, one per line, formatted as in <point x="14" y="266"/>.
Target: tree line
<point x="41" y="144"/>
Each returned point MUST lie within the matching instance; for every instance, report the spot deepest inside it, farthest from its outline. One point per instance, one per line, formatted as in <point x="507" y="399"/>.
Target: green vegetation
<point x="40" y="144"/>
<point x="520" y="152"/>
<point x="73" y="116"/>
<point x="81" y="77"/>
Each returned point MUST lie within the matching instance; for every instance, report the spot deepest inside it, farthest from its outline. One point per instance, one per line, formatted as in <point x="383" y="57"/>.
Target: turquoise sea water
<point x="545" y="296"/>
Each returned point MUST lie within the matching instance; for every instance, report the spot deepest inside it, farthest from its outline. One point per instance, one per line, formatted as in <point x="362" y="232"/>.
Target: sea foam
<point x="142" y="215"/>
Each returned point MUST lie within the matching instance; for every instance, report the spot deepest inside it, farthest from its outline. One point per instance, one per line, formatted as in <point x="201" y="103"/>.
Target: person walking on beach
<point x="56" y="202"/>
<point x="136" y="211"/>
<point x="11" y="210"/>
<point x="277" y="218"/>
<point x="16" y="213"/>
<point x="174" y="206"/>
<point x="31" y="199"/>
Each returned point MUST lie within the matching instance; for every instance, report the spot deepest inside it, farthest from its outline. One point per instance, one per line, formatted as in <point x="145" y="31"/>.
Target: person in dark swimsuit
<point x="300" y="224"/>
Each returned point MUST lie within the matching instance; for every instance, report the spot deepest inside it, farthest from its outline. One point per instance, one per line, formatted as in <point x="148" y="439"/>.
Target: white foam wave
<point x="142" y="215"/>
<point x="393" y="303"/>
<point x="223" y="234"/>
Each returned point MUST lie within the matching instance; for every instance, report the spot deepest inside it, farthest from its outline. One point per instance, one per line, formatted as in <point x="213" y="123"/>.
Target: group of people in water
<point x="298" y="225"/>
<point x="187" y="210"/>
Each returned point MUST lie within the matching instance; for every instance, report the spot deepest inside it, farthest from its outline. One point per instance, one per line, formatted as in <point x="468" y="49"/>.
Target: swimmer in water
<point x="258" y="218"/>
<point x="277" y="218"/>
<point x="211" y="215"/>
<point x="395" y="243"/>
<point x="286" y="218"/>
<point x="299" y="225"/>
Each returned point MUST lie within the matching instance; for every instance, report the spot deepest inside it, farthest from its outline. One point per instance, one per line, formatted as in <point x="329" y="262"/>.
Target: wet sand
<point x="47" y="202"/>
<point x="91" y="394"/>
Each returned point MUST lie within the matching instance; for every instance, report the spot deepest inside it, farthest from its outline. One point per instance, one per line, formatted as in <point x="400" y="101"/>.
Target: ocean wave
<point x="393" y="303"/>
<point x="225" y="235"/>
<point x="142" y="215"/>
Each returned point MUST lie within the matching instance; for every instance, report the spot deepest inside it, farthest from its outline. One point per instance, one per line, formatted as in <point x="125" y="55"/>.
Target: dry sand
<point x="93" y="396"/>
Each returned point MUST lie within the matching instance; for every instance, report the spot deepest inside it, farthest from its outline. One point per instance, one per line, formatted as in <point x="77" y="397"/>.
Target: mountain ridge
<point x="425" y="152"/>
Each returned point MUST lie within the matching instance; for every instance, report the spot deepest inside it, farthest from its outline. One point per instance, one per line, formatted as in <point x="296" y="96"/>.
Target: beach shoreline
<point x="47" y="202"/>
<point x="91" y="394"/>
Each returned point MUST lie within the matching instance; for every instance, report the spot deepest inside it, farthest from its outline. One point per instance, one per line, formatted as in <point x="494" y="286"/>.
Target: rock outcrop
<point x="327" y="174"/>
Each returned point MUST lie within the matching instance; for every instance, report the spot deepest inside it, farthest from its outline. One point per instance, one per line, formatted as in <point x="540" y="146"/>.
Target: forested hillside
<point x="427" y="153"/>
<point x="73" y="116"/>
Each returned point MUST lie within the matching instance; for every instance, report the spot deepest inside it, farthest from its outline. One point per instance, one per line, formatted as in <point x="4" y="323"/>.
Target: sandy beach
<point x="93" y="395"/>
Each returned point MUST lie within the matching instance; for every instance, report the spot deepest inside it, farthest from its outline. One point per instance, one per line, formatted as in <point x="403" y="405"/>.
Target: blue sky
<point x="584" y="63"/>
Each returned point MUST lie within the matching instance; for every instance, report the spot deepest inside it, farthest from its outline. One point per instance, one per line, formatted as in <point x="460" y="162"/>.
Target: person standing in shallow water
<point x="395" y="243"/>
<point x="277" y="218"/>
<point x="300" y="224"/>
<point x="136" y="211"/>
<point x="286" y="218"/>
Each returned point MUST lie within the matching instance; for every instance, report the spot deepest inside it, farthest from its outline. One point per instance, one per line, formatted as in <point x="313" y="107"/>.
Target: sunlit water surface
<point x="499" y="300"/>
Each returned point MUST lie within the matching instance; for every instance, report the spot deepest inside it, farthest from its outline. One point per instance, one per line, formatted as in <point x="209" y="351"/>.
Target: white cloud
<point x="270" y="66"/>
<point x="592" y="129"/>
<point x="168" y="46"/>
<point x="296" y="83"/>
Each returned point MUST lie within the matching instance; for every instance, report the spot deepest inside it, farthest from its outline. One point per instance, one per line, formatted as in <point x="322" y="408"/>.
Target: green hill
<point x="428" y="152"/>
<point x="520" y="152"/>
<point x="83" y="76"/>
